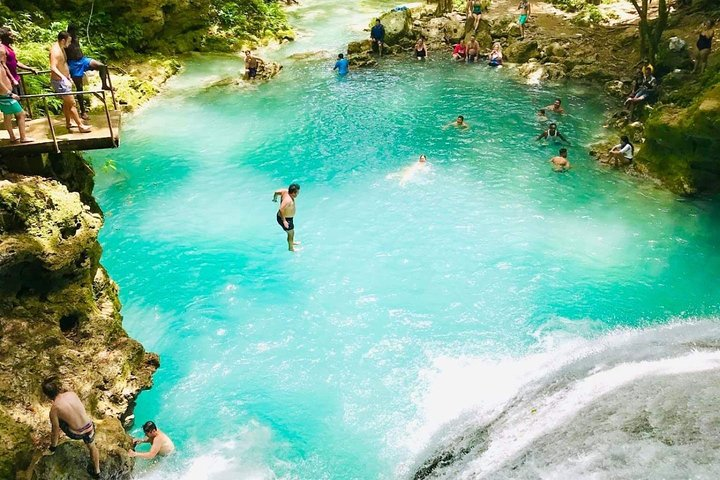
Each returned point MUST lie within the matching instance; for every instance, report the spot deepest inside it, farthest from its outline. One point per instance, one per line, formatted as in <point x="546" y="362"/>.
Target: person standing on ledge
<point x="560" y="163"/>
<point x="78" y="64"/>
<point x="524" y="8"/>
<point x="9" y="60"/>
<point x="377" y="36"/>
<point x="10" y="107"/>
<point x="60" y="82"/>
<point x="286" y="212"/>
<point x="342" y="65"/>
<point x="68" y="414"/>
<point x="159" y="441"/>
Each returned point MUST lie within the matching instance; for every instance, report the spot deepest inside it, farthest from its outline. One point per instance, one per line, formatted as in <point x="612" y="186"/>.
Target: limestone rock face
<point x="521" y="51"/>
<point x="60" y="315"/>
<point x="398" y="25"/>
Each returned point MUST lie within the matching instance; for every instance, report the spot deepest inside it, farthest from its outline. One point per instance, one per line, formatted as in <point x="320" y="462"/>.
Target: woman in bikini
<point x="474" y="10"/>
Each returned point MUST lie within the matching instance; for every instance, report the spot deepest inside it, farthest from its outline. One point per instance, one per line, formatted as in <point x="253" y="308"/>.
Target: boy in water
<point x="68" y="414"/>
<point x="459" y="122"/>
<point x="251" y="65"/>
<point x="159" y="441"/>
<point x="560" y="163"/>
<point x="541" y="116"/>
<point x="556" y="107"/>
<point x="552" y="134"/>
<point x="286" y="212"/>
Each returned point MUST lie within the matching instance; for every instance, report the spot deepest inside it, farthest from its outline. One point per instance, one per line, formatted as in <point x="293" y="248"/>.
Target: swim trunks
<point x="523" y="19"/>
<point x="79" y="67"/>
<point x="252" y="72"/>
<point x="61" y="86"/>
<point x="9" y="106"/>
<point x="87" y="437"/>
<point x="289" y="220"/>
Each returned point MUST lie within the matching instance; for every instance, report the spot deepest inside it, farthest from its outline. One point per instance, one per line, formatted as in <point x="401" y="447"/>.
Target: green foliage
<point x="247" y="17"/>
<point x="570" y="5"/>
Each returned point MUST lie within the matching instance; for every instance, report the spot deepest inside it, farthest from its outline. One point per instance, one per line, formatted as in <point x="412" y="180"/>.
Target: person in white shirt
<point x="623" y="152"/>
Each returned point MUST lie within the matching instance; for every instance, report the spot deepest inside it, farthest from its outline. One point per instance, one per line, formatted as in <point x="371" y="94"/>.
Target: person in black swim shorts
<point x="286" y="212"/>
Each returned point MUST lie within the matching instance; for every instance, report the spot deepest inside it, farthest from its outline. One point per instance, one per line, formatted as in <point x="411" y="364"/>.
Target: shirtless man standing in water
<point x="161" y="443"/>
<point x="60" y="82"/>
<point x="286" y="212"/>
<point x="68" y="414"/>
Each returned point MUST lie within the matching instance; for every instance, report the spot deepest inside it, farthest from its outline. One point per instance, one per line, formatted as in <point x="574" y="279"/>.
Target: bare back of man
<point x="68" y="415"/>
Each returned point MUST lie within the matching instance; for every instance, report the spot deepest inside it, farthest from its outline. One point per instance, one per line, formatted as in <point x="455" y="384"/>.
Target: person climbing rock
<point x="560" y="162"/>
<point x="286" y="212"/>
<point x="60" y="82"/>
<point x="251" y="65"/>
<point x="10" y="108"/>
<point x="377" y="36"/>
<point x="160" y="443"/>
<point x="78" y="64"/>
<point x="67" y="414"/>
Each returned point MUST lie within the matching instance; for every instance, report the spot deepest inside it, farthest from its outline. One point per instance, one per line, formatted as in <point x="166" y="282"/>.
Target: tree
<point x="651" y="32"/>
<point x="443" y="7"/>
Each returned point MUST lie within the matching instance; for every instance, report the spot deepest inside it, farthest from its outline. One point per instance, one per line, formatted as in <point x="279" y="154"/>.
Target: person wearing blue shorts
<point x="78" y="64"/>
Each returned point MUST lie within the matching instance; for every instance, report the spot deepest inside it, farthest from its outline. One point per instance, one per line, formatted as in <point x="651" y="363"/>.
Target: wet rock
<point x="482" y="34"/>
<point x="521" y="51"/>
<point x="454" y="29"/>
<point x="316" y="55"/>
<point x="595" y="72"/>
<point x="359" y="47"/>
<point x="398" y="25"/>
<point x="536" y="72"/>
<point x="615" y="88"/>
<point x="362" y="60"/>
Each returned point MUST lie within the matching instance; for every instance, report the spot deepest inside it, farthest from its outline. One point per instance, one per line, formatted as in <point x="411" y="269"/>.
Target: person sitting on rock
<point x="560" y="162"/>
<point x="160" y="443"/>
<point x="495" y="57"/>
<point x="524" y="8"/>
<point x="552" y="134"/>
<point x="377" y="36"/>
<point x="251" y="65"/>
<point x="421" y="51"/>
<point x="68" y="414"/>
<point x="342" y="65"/>
<point x="473" y="50"/>
<point x="623" y="151"/>
<point x="556" y="107"/>
<point x="460" y="51"/>
<point x="474" y="11"/>
<point x="646" y="91"/>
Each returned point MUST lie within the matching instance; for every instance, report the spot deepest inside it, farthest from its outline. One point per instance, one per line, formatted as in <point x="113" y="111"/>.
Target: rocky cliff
<point x="60" y="314"/>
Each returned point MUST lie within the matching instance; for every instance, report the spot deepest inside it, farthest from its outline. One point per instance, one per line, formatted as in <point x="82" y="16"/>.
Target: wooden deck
<point x="39" y="131"/>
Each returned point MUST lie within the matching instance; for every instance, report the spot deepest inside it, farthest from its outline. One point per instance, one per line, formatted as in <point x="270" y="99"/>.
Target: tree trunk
<point x="443" y="7"/>
<point x="651" y="33"/>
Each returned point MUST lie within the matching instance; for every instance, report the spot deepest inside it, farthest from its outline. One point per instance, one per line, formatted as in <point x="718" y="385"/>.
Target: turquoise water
<point x="343" y="360"/>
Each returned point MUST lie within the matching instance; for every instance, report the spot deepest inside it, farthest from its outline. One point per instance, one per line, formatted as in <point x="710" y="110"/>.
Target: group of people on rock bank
<point x="68" y="415"/>
<point x="68" y="66"/>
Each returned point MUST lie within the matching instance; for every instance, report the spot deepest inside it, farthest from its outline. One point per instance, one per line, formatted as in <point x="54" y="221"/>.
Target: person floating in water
<point x="524" y="8"/>
<point x="556" y="107"/>
<point x="342" y="65"/>
<point x="408" y="173"/>
<point x="553" y="134"/>
<point x="160" y="443"/>
<point x="495" y="57"/>
<point x="560" y="163"/>
<point x="623" y="152"/>
<point x="251" y="65"/>
<point x="459" y="122"/>
<point x="377" y="36"/>
<point x="68" y="414"/>
<point x="541" y="116"/>
<point x="286" y="212"/>
<point x="421" y="51"/>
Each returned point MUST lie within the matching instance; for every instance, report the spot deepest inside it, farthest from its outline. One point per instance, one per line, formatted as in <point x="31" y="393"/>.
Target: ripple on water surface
<point x="303" y="366"/>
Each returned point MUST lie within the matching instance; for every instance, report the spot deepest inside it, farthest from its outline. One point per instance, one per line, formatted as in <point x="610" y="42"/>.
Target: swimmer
<point x="159" y="441"/>
<point x="556" y="107"/>
<point x="459" y="122"/>
<point x="541" y="116"/>
<point x="286" y="212"/>
<point x="410" y="171"/>
<point x="560" y="163"/>
<point x="552" y="133"/>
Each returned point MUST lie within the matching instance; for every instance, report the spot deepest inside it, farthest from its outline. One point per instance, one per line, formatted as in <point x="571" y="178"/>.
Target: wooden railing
<point x="100" y="94"/>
